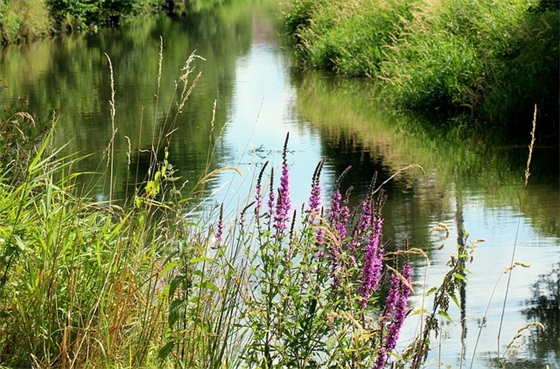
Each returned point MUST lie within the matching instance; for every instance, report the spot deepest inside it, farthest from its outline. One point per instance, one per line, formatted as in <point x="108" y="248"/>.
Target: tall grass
<point x="93" y="284"/>
<point x="484" y="59"/>
<point x="345" y="36"/>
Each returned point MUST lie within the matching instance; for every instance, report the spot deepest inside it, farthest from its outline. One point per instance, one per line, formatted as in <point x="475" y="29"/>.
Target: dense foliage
<point x="486" y="59"/>
<point x="26" y="20"/>
<point x="85" y="13"/>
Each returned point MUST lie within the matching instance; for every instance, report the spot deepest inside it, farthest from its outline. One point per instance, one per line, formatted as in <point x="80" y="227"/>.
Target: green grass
<point x="485" y="59"/>
<point x="345" y="36"/>
<point x="26" y="20"/>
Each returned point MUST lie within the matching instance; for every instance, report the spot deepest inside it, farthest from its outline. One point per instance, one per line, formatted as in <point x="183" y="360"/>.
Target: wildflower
<point x="221" y="225"/>
<point x="319" y="236"/>
<point x="271" y="197"/>
<point x="339" y="212"/>
<point x="315" y="197"/>
<point x="243" y="219"/>
<point x="395" y="310"/>
<point x="283" y="204"/>
<point x="258" y="190"/>
<point x="339" y="215"/>
<point x="373" y="261"/>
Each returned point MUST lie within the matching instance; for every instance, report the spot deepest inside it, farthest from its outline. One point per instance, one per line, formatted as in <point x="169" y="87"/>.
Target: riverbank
<point x="488" y="62"/>
<point x="22" y="21"/>
<point x="143" y="285"/>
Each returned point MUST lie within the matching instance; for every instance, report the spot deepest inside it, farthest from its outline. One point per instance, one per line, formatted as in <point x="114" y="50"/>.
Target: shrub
<point x="346" y="37"/>
<point x="493" y="60"/>
<point x="24" y="20"/>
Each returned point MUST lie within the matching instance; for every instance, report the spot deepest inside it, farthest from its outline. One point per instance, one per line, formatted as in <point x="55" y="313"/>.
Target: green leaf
<point x="166" y="350"/>
<point x="431" y="290"/>
<point x="200" y="260"/>
<point x="419" y="312"/>
<point x="177" y="311"/>
<point x="454" y="298"/>
<point x="208" y="285"/>
<point x="445" y="315"/>
<point x="460" y="276"/>
<point x="169" y="266"/>
<point x="175" y="282"/>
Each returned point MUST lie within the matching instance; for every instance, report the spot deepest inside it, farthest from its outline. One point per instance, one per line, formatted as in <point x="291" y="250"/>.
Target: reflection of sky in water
<point x="261" y="116"/>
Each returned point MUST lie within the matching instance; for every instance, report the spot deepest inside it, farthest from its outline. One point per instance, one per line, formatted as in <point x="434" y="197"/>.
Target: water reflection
<point x="70" y="76"/>
<point x="544" y="307"/>
<point x="472" y="185"/>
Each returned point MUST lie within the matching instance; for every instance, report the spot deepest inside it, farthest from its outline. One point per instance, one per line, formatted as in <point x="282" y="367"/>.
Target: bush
<point x="23" y="20"/>
<point x="493" y="59"/>
<point x="85" y="14"/>
<point x="343" y="36"/>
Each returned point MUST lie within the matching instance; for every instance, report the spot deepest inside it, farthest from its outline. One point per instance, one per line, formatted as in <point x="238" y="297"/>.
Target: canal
<point x="248" y="97"/>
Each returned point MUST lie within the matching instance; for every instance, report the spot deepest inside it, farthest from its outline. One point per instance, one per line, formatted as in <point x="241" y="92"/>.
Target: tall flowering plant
<point x="315" y="280"/>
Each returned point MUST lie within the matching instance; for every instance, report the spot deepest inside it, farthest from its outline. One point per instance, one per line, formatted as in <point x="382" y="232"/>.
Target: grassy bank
<point x="31" y="19"/>
<point x="483" y="59"/>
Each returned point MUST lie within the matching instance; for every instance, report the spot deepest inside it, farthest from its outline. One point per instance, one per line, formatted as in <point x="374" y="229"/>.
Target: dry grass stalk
<point x="531" y="146"/>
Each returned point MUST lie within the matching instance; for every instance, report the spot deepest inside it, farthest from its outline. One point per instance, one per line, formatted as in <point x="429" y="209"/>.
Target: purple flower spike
<point x="283" y="203"/>
<point x="395" y="310"/>
<point x="271" y="197"/>
<point x="339" y="215"/>
<point x="315" y="197"/>
<point x="373" y="262"/>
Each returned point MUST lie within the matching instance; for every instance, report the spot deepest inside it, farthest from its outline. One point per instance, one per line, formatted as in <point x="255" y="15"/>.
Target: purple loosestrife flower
<point x="320" y="237"/>
<point x="314" y="209"/>
<point x="339" y="215"/>
<point x="339" y="212"/>
<point x="363" y="227"/>
<point x="396" y="312"/>
<point x="315" y="197"/>
<point x="283" y="203"/>
<point x="373" y="262"/>
<point x="271" y="197"/>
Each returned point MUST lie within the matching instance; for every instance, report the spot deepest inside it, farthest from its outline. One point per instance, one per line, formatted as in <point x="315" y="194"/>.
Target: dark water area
<point x="249" y="97"/>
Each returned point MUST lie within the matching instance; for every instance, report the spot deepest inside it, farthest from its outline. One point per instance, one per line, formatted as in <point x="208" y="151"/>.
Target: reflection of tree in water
<point x="542" y="347"/>
<point x="544" y="307"/>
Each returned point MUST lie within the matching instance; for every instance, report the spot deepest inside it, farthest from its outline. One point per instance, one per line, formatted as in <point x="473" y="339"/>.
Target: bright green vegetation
<point x="493" y="60"/>
<point x="31" y="19"/>
<point x="20" y="20"/>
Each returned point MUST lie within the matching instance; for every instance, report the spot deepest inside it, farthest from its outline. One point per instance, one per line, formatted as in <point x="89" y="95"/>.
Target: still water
<point x="245" y="102"/>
